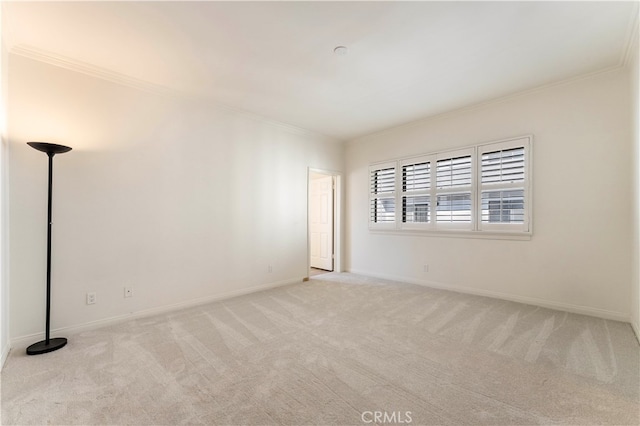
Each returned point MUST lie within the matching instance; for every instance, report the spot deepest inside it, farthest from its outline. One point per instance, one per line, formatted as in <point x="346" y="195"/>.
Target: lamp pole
<point x="48" y="345"/>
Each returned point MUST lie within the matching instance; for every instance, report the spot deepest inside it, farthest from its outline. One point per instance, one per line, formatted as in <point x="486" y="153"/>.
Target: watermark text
<point x="386" y="417"/>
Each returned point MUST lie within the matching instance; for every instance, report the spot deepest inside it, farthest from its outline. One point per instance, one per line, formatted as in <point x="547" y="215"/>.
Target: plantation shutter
<point x="503" y="166"/>
<point x="484" y="187"/>
<point x="416" y="192"/>
<point x="454" y="177"/>
<point x="454" y="172"/>
<point x="382" y="189"/>
<point x="504" y="185"/>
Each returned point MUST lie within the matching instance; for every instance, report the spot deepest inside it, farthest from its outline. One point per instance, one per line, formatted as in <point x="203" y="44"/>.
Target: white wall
<point x="4" y="227"/>
<point x="634" y="76"/>
<point x="178" y="200"/>
<point x="578" y="257"/>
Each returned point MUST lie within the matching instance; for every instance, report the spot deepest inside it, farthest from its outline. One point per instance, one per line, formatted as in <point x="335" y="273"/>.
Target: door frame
<point x="337" y="218"/>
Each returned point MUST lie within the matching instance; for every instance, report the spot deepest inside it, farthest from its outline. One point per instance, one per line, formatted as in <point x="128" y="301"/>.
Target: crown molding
<point x="125" y="80"/>
<point x="89" y="69"/>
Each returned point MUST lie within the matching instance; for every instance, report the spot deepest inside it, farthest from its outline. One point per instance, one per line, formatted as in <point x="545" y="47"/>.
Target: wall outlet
<point x="128" y="291"/>
<point x="91" y="298"/>
<point x="425" y="268"/>
<point x="270" y="268"/>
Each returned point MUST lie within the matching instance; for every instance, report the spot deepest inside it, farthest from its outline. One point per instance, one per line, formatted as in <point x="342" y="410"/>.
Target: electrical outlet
<point x="270" y="268"/>
<point x="91" y="298"/>
<point x="425" y="268"/>
<point x="128" y="291"/>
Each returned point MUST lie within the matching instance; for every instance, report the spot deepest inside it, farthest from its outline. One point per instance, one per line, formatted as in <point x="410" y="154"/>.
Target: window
<point x="479" y="188"/>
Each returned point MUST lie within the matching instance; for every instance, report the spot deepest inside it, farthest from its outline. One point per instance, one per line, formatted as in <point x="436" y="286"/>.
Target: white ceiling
<point x="406" y="60"/>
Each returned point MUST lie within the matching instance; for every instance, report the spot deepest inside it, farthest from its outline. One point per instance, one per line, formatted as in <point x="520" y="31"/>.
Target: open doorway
<point x="323" y="221"/>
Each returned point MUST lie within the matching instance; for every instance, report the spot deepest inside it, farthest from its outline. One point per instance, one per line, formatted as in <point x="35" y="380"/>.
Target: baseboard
<point x="4" y="355"/>
<point x="636" y="330"/>
<point x="576" y="309"/>
<point x="23" y="341"/>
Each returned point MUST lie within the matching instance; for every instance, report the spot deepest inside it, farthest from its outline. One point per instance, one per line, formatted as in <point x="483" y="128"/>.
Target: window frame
<point x="475" y="228"/>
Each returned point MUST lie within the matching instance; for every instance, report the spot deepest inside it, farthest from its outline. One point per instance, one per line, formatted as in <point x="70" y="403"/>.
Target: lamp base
<point x="42" y="347"/>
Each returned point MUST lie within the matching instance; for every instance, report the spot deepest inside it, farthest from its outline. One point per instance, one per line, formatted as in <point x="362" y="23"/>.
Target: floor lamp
<point x="48" y="344"/>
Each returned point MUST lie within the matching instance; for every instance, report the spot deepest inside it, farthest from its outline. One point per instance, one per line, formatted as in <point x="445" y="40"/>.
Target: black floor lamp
<point x="48" y="345"/>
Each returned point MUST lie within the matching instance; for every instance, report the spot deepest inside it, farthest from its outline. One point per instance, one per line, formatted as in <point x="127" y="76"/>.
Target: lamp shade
<point x="49" y="148"/>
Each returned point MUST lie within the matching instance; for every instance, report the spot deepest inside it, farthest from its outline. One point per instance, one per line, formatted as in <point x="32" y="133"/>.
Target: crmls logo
<point x="381" y="417"/>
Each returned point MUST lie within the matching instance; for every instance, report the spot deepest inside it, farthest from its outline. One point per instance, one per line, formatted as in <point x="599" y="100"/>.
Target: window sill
<point x="483" y="235"/>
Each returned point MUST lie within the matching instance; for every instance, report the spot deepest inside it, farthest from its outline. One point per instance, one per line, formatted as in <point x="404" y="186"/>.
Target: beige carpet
<point x="327" y="351"/>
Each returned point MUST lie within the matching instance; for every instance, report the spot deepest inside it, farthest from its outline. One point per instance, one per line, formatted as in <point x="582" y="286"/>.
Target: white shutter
<point x="383" y="210"/>
<point x="383" y="180"/>
<point x="483" y="187"/>
<point x="503" y="206"/>
<point x="503" y="203"/>
<point x="454" y="190"/>
<point x="416" y="177"/>
<point x="503" y="166"/>
<point x="416" y="192"/>
<point x="454" y="172"/>
<point x="454" y="208"/>
<point x="382" y="193"/>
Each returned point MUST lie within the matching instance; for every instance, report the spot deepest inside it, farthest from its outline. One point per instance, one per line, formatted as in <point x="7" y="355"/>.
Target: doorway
<point x="323" y="221"/>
